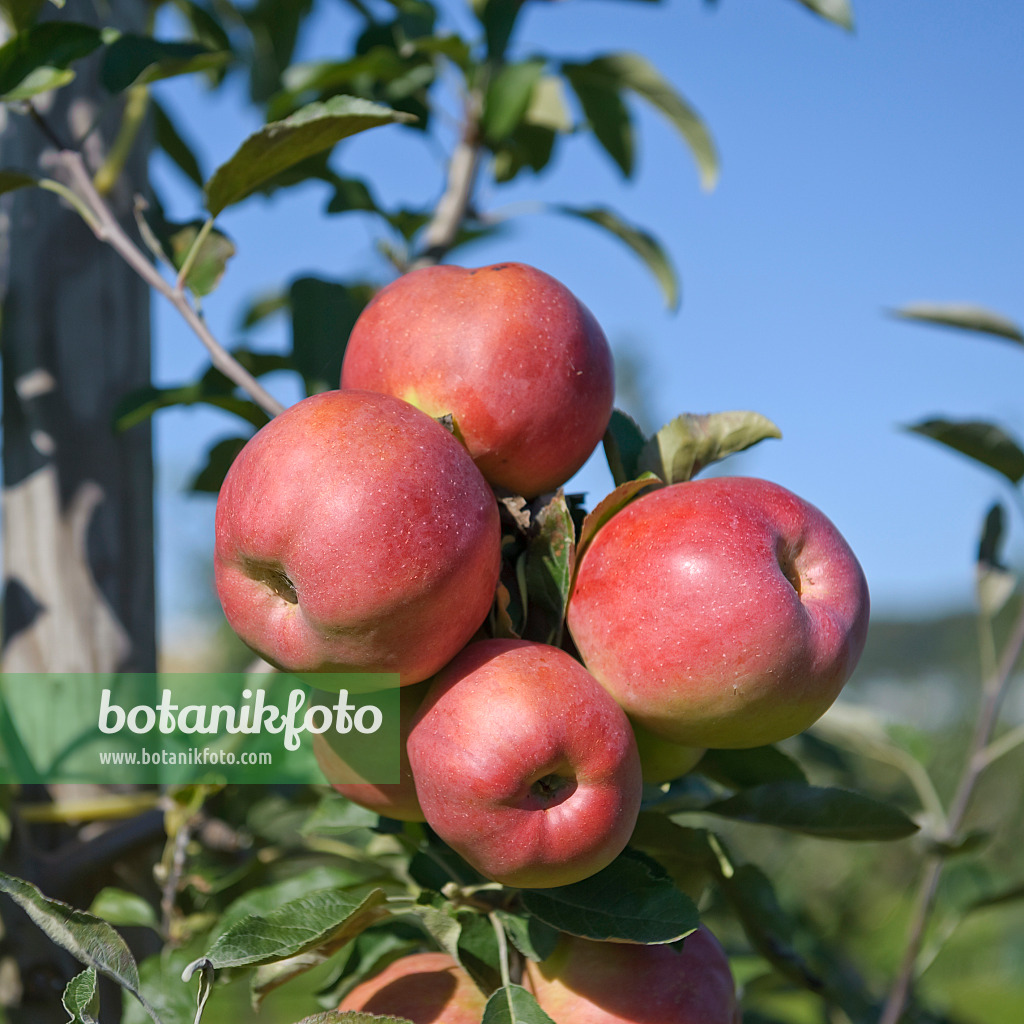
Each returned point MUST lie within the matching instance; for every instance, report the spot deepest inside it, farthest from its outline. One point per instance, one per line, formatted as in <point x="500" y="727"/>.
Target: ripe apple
<point x="354" y="533"/>
<point x="524" y="765"/>
<point x="426" y="988"/>
<point x="586" y="982"/>
<point x="724" y="612"/>
<point x="511" y="353"/>
<point x="345" y="758"/>
<point x="661" y="760"/>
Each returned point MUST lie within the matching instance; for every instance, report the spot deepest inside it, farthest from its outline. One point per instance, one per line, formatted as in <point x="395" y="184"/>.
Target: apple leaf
<point x="324" y="918"/>
<point x="631" y="900"/>
<point x="508" y="98"/>
<point x="82" y="998"/>
<point x="335" y="815"/>
<point x="37" y="59"/>
<point x="643" y="244"/>
<point x="983" y="442"/>
<point x="534" y="939"/>
<point x="513" y="1004"/>
<point x="11" y="180"/>
<point x="279" y="145"/>
<point x="138" y="60"/>
<point x="682" y="448"/>
<point x="117" y="906"/>
<point x="89" y="939"/>
<point x="826" y="812"/>
<point x="623" y="442"/>
<point x="605" y="111"/>
<point x="840" y="12"/>
<point x="437" y="916"/>
<point x="994" y="583"/>
<point x="741" y="769"/>
<point x="683" y="852"/>
<point x="964" y="317"/>
<point x="549" y="563"/>
<point x="608" y="507"/>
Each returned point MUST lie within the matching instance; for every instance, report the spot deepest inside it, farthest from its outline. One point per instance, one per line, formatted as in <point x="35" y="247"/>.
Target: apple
<point x="345" y="758"/>
<point x="510" y="352"/>
<point x="661" y="760"/>
<point x="723" y="612"/>
<point x="587" y="982"/>
<point x="426" y="988"/>
<point x="354" y="533"/>
<point x="524" y="765"/>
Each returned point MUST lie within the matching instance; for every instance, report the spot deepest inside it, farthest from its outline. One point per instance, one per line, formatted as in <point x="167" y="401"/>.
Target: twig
<point x="977" y="760"/>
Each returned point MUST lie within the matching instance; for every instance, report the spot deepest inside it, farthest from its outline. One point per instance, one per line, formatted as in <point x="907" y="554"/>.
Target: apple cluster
<point x="360" y="531"/>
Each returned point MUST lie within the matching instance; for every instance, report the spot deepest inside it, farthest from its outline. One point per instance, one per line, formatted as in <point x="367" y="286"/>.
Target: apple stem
<point x="499" y="934"/>
<point x="978" y="759"/>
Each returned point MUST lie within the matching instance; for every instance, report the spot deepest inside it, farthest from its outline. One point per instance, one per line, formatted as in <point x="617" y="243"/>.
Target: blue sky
<point x="860" y="171"/>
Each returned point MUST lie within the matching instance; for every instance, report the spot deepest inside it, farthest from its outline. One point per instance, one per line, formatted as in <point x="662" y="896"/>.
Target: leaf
<point x="994" y="583"/>
<point x="623" y="442"/>
<point x="13" y="180"/>
<point x="608" y="507"/>
<point x="550" y="557"/>
<point x="498" y="18"/>
<point x="633" y="72"/>
<point x="643" y="244"/>
<point x="327" y="917"/>
<point x="218" y="461"/>
<point x="741" y="769"/>
<point x="351" y="1017"/>
<point x="123" y="908"/>
<point x="282" y="144"/>
<point x="82" y="998"/>
<point x="209" y="265"/>
<point x="547" y="107"/>
<point x="169" y="139"/>
<point x="983" y="442"/>
<point x="335" y="815"/>
<point x="512" y="1004"/>
<point x="606" y="112"/>
<point x="683" y="852"/>
<point x="963" y="317"/>
<point x="88" y="939"/>
<point x="821" y="811"/>
<point x="631" y="900"/>
<point x="437" y="916"/>
<point x="534" y="939"/>
<point x="138" y="60"/>
<point x="682" y="448"/>
<point x="838" y="11"/>
<point x="508" y="98"/>
<point x="38" y="59"/>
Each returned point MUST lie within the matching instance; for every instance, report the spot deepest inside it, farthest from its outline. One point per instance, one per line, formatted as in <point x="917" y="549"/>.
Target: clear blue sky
<point x="860" y="172"/>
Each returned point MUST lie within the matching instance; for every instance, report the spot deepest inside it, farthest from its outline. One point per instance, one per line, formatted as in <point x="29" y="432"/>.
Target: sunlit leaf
<point x="512" y="1004"/>
<point x="123" y="908"/>
<point x="39" y="58"/>
<point x="983" y="442"/>
<point x="282" y="144"/>
<point x="643" y="244"/>
<point x="508" y="98"/>
<point x="838" y="11"/>
<point x="994" y="583"/>
<point x="82" y="998"/>
<point x="963" y="317"/>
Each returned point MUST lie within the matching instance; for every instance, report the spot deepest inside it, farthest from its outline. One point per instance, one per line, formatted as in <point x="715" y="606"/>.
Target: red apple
<point x="347" y="757"/>
<point x="354" y="533"/>
<point x="524" y="765"/>
<point x="426" y="988"/>
<point x="723" y="612"/>
<point x="585" y="982"/>
<point x="510" y="352"/>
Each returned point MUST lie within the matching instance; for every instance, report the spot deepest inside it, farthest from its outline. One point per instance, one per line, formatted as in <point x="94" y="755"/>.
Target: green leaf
<point x="643" y="244"/>
<point x="12" y="180"/>
<point x="983" y="442"/>
<point x="82" y="998"/>
<point x="218" y="461"/>
<point x="816" y="810"/>
<point x="140" y="405"/>
<point x="498" y="18"/>
<point x="530" y="145"/>
<point x="741" y="769"/>
<point x="209" y="265"/>
<point x="623" y="442"/>
<point x="534" y="939"/>
<point x="963" y="317"/>
<point x="608" y="507"/>
<point x="682" y="448"/>
<point x="512" y="1004"/>
<point x="994" y="583"/>
<point x="171" y="142"/>
<point x="38" y="59"/>
<point x="550" y="557"/>
<point x="123" y="908"/>
<point x="508" y="98"/>
<point x="335" y="815"/>
<point x="19" y="14"/>
<point x="631" y="900"/>
<point x="282" y="144"/>
<point x="138" y="60"/>
<point x="205" y="27"/>
<point x="437" y="916"/>
<point x="683" y="852"/>
<point x="838" y="11"/>
<point x="323" y="918"/>
<point x="88" y="939"/>
<point x="548" y="108"/>
<point x="605" y="111"/>
<point x="633" y="72"/>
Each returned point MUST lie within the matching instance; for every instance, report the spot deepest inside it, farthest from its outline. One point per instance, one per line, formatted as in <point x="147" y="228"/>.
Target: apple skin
<point x="510" y="352"/>
<point x="662" y="760"/>
<point x="353" y="533"/>
<point x="426" y="988"/>
<point x="587" y="982"/>
<point x="524" y="765"/>
<point x="334" y="754"/>
<point x="724" y="612"/>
